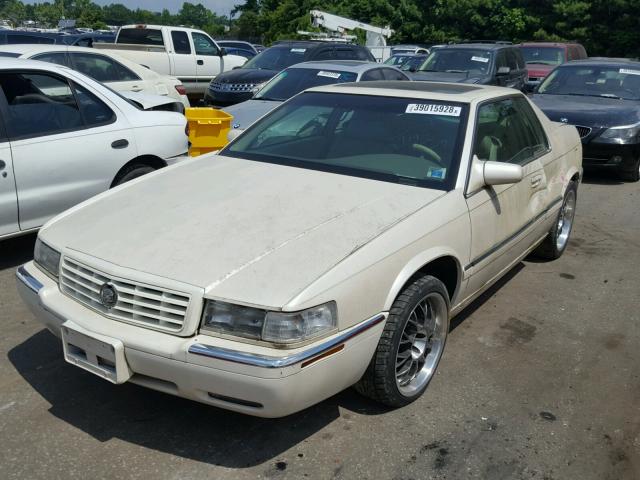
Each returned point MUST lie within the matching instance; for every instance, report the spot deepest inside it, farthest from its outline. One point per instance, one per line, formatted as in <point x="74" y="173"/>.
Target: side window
<point x="391" y="74"/>
<point x="505" y="133"/>
<point x="203" y="45"/>
<point x="541" y="143"/>
<point x="102" y="68"/>
<point x="501" y="59"/>
<point x="59" y="58"/>
<point x="39" y="104"/>
<point x="94" y="111"/>
<point x="512" y="62"/>
<point x="375" y="74"/>
<point x="363" y="54"/>
<point x="180" y="42"/>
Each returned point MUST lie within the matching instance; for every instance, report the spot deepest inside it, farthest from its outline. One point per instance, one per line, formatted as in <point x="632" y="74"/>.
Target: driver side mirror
<point x="486" y="173"/>
<point x="222" y="51"/>
<point x="503" y="71"/>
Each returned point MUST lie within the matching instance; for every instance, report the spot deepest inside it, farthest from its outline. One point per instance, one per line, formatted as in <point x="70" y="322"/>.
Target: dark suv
<point x="495" y="63"/>
<point x="239" y="85"/>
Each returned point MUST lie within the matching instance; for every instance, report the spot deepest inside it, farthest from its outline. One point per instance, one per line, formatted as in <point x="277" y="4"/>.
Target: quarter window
<point x="181" y="42"/>
<point x="391" y="74"/>
<point x="39" y="104"/>
<point x="375" y="74"/>
<point x="102" y="68"/>
<point x="508" y="131"/>
<point x="59" y="58"/>
<point x="204" y="45"/>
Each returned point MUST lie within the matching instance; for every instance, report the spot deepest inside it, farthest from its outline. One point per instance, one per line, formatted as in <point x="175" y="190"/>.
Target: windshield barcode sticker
<point x="480" y="59"/>
<point x="629" y="72"/>
<point x="433" y="109"/>
<point x="298" y="50"/>
<point x="322" y="73"/>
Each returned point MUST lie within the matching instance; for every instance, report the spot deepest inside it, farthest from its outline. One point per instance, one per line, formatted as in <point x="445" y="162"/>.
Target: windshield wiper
<point x="427" y="70"/>
<point x="456" y="71"/>
<point x="610" y="95"/>
<point x="269" y="99"/>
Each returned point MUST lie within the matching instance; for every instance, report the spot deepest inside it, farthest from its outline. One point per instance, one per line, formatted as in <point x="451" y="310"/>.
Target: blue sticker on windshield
<point x="438" y="173"/>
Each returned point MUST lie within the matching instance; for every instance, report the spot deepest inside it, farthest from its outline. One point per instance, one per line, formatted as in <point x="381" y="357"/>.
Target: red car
<point x="542" y="57"/>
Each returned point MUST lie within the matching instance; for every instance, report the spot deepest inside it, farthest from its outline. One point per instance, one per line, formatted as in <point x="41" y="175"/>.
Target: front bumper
<point x="622" y="157"/>
<point x="250" y="379"/>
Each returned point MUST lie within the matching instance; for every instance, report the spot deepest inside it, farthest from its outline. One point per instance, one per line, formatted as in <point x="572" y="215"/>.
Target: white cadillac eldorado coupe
<point x="328" y="245"/>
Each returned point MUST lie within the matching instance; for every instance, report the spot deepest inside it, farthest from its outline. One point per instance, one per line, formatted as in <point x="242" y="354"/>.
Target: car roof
<point x="453" y="92"/>
<point x="23" y="63"/>
<point x="475" y="46"/>
<point x="603" y="61"/>
<point x="311" y="44"/>
<point x="29" y="48"/>
<point x="546" y="44"/>
<point x="354" y="66"/>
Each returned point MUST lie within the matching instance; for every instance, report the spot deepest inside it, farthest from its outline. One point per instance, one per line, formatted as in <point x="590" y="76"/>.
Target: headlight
<point x="620" y="135"/>
<point x="47" y="258"/>
<point x="274" y="327"/>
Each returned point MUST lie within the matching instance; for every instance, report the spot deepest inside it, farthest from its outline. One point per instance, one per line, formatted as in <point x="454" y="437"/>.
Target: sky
<point x="221" y="7"/>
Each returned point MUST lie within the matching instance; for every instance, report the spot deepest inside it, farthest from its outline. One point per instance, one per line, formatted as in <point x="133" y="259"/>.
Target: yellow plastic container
<point x="208" y="129"/>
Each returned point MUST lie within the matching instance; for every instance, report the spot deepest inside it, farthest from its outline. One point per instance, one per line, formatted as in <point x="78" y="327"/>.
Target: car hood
<point x="245" y="75"/>
<point x="594" y="112"/>
<point x="539" y="69"/>
<point x="245" y="113"/>
<point x="445" y="77"/>
<point x="246" y="231"/>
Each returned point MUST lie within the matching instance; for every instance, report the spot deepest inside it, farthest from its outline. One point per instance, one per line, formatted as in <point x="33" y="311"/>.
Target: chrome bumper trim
<point x="266" y="361"/>
<point x="28" y="279"/>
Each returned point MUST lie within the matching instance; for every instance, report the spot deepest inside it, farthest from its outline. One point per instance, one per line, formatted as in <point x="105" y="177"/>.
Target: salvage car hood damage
<point x="253" y="232"/>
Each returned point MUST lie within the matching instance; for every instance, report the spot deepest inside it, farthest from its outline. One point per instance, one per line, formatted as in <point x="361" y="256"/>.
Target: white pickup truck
<point x="189" y="54"/>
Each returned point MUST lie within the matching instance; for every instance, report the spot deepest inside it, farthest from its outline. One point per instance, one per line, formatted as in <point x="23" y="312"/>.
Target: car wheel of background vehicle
<point x="410" y="346"/>
<point x="632" y="175"/>
<point x="132" y="171"/>
<point x="556" y="241"/>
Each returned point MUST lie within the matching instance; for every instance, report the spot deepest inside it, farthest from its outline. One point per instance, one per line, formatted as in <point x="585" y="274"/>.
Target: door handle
<point x="122" y="143"/>
<point x="2" y="167"/>
<point x="535" y="181"/>
<point x="200" y="62"/>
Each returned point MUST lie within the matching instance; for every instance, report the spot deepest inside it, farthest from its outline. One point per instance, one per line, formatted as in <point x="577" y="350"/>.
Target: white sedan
<point x="107" y="67"/>
<point x="328" y="245"/>
<point x="66" y="137"/>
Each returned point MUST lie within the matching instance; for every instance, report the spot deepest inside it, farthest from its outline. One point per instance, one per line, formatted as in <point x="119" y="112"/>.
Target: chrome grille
<point x="232" y="87"/>
<point x="136" y="303"/>
<point x="583" y="131"/>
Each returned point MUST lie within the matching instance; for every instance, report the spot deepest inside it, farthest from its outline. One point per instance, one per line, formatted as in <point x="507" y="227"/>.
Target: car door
<point x="8" y="197"/>
<point x="67" y="143"/>
<point x="506" y="219"/>
<point x="107" y="70"/>
<point x="208" y="59"/>
<point x="184" y="59"/>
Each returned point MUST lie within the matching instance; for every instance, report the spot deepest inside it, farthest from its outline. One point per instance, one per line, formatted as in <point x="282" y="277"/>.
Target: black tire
<point x="550" y="249"/>
<point x="379" y="380"/>
<point x="132" y="171"/>
<point x="632" y="175"/>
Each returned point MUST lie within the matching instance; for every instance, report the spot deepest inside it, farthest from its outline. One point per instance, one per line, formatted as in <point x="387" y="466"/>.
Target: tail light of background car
<point x="181" y="90"/>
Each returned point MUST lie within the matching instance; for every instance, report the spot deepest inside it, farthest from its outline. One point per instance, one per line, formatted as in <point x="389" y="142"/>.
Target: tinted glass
<point x="324" y="54"/>
<point x="416" y="142"/>
<point x="375" y="74"/>
<point x="458" y="60"/>
<point x="181" y="42"/>
<point x="397" y="60"/>
<point x="94" y="111"/>
<point x="505" y="133"/>
<point x="512" y="61"/>
<point x="102" y="68"/>
<point x="58" y="58"/>
<point x="39" y="104"/>
<point x="413" y="63"/>
<point x="599" y="81"/>
<point x="140" y="36"/>
<point x="294" y="80"/>
<point x="277" y="58"/>
<point x="203" y="45"/>
<point x="9" y="54"/>
<point x="543" y="55"/>
<point x="391" y="74"/>
<point x="346" y="54"/>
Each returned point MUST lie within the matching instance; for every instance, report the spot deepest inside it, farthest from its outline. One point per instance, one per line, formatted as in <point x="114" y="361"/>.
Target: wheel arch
<point x="443" y="265"/>
<point x="148" y="160"/>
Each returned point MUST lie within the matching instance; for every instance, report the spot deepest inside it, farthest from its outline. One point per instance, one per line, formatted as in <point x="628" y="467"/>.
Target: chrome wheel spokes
<point x="565" y="220"/>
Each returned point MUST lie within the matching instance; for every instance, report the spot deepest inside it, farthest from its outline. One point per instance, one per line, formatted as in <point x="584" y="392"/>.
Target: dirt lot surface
<point x="540" y="380"/>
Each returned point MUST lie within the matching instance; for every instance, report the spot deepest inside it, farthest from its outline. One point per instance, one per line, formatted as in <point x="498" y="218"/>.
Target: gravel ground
<point x="540" y="380"/>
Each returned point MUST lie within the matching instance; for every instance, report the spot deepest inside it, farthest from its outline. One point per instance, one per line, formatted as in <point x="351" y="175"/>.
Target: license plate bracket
<point x="100" y="355"/>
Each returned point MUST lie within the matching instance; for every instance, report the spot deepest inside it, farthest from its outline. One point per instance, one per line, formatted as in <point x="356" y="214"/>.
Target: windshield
<point x="458" y="60"/>
<point x="277" y="58"/>
<point x="294" y="80"/>
<point x="397" y="60"/>
<point x="543" y="55"/>
<point x="413" y="63"/>
<point x="598" y="81"/>
<point x="401" y="140"/>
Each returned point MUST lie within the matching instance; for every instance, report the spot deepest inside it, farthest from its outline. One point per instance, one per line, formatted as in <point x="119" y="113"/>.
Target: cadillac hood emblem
<point x="108" y="295"/>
